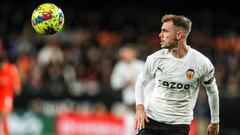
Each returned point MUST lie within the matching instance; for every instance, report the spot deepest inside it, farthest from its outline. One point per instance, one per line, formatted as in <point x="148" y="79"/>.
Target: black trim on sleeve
<point x="209" y="81"/>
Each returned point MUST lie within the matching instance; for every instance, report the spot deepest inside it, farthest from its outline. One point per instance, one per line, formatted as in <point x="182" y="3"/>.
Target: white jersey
<point x="126" y="71"/>
<point x="177" y="83"/>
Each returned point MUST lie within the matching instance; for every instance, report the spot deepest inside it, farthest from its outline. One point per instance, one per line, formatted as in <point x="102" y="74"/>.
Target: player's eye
<point x="164" y="30"/>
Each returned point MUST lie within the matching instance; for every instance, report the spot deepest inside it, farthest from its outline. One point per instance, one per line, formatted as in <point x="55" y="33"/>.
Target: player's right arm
<point x="140" y="117"/>
<point x="143" y="79"/>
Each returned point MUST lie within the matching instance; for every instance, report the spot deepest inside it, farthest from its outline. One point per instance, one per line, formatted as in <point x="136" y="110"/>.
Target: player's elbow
<point x="212" y="89"/>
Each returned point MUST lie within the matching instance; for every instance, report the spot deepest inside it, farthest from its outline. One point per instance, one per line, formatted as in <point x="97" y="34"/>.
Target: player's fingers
<point x="215" y="132"/>
<point x="146" y="119"/>
<point x="135" y="124"/>
<point x="212" y="133"/>
<point x="138" y="124"/>
<point x="142" y="123"/>
<point x="208" y="132"/>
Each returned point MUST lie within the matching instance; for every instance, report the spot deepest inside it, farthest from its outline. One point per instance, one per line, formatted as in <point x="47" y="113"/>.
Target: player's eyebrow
<point x="164" y="29"/>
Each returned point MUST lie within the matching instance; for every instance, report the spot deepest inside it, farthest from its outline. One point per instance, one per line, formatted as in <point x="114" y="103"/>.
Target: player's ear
<point x="179" y="35"/>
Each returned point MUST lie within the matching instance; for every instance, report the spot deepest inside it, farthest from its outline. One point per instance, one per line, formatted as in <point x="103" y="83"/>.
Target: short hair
<point x="178" y="20"/>
<point x="131" y="47"/>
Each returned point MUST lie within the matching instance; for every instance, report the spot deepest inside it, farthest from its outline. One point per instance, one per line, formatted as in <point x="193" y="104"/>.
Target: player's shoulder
<point x="10" y="67"/>
<point x="198" y="56"/>
<point x="159" y="54"/>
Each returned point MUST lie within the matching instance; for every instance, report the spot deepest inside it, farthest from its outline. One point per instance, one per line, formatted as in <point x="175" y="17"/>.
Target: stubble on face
<point x="170" y="44"/>
<point x="169" y="40"/>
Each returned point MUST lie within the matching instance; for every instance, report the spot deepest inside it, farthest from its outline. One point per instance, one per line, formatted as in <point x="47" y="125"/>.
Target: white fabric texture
<point x="176" y="86"/>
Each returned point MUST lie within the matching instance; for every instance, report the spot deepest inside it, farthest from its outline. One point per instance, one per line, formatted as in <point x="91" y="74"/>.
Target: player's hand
<point x="213" y="129"/>
<point x="140" y="117"/>
<point x="17" y="92"/>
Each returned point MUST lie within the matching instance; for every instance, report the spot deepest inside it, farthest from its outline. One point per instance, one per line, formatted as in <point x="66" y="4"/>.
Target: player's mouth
<point x="161" y="42"/>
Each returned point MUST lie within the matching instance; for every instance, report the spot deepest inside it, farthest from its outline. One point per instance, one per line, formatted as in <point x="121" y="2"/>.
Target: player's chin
<point x="163" y="46"/>
<point x="161" y="43"/>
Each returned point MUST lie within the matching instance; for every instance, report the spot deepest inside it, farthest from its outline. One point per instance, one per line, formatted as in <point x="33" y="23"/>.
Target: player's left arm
<point x="16" y="79"/>
<point x="209" y="82"/>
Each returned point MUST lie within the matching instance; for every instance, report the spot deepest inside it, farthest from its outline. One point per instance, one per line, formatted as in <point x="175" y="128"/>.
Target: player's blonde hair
<point x="178" y="20"/>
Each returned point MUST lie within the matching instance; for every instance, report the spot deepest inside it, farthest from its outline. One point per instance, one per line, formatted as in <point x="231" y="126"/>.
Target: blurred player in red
<point x="9" y="84"/>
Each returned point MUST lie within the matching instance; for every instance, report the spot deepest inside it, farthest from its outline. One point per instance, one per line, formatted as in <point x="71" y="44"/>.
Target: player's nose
<point x="160" y="34"/>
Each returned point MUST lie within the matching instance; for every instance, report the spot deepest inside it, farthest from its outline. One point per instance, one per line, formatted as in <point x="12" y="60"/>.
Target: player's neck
<point x="180" y="51"/>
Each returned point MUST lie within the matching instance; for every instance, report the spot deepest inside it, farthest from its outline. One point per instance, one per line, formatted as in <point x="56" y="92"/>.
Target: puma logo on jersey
<point x="159" y="69"/>
<point x="173" y="85"/>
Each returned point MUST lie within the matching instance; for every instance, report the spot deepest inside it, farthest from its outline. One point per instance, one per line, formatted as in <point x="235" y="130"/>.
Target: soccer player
<point x="123" y="78"/>
<point x="178" y="70"/>
<point x="9" y="82"/>
<point x="125" y="73"/>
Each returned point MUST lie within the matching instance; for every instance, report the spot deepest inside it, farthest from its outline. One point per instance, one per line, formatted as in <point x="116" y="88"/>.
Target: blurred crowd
<point x="77" y="63"/>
